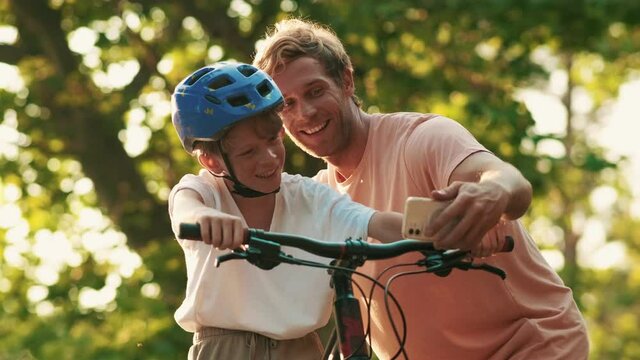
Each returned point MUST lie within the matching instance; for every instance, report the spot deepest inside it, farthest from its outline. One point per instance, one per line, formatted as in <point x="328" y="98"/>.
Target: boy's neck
<point x="257" y="212"/>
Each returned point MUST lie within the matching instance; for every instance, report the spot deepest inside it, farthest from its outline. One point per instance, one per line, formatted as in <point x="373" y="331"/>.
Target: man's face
<point x="256" y="153"/>
<point x="316" y="110"/>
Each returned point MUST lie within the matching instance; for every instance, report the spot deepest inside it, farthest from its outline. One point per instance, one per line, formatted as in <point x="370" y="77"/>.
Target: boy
<point x="225" y="114"/>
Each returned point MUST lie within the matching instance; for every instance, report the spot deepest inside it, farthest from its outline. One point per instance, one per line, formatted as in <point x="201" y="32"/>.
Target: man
<point x="380" y="160"/>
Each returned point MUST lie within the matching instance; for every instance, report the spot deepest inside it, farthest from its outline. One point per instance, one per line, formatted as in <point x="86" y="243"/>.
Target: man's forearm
<point x="514" y="184"/>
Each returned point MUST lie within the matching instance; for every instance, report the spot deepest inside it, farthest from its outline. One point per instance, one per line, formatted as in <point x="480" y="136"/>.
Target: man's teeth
<point x="315" y="129"/>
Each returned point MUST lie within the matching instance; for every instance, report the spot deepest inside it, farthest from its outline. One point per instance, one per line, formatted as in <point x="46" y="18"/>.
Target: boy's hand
<point x="221" y="230"/>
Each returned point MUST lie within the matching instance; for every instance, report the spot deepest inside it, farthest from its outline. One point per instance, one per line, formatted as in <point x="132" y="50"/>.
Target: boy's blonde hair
<point x="291" y="39"/>
<point x="267" y="124"/>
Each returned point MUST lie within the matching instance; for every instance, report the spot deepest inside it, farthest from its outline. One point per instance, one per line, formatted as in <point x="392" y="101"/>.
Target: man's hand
<point x="495" y="240"/>
<point x="474" y="210"/>
<point x="483" y="189"/>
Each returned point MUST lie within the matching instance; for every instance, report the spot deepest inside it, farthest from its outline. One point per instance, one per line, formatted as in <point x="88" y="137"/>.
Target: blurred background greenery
<point x="89" y="268"/>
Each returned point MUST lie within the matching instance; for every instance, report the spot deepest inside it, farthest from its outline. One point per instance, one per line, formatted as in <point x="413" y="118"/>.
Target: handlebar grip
<point x="189" y="231"/>
<point x="508" y="245"/>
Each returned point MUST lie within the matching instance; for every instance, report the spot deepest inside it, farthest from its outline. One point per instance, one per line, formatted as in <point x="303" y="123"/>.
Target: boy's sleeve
<point x="193" y="183"/>
<point x="322" y="176"/>
<point x="343" y="217"/>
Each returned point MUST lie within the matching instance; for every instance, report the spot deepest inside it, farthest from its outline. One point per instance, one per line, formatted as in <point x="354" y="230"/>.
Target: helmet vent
<point x="198" y="75"/>
<point x="220" y="82"/>
<point x="264" y="88"/>
<point x="213" y="99"/>
<point x="247" y="70"/>
<point x="239" y="100"/>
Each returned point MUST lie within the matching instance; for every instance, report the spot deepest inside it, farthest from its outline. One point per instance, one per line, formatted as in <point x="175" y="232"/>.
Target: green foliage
<point x="88" y="153"/>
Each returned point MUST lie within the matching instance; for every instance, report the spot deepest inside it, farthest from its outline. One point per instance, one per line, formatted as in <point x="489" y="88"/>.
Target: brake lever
<point x="262" y="253"/>
<point x="235" y="255"/>
<point x="469" y="265"/>
<point x="489" y="268"/>
<point x="441" y="263"/>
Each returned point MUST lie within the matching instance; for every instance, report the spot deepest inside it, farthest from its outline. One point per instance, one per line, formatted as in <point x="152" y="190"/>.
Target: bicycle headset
<point x="216" y="97"/>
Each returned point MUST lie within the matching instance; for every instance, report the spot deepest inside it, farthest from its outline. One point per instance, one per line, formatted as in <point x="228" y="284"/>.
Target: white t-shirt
<point x="286" y="302"/>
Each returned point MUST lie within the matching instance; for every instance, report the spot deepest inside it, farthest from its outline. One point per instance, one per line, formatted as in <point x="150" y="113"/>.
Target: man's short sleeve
<point x="435" y="148"/>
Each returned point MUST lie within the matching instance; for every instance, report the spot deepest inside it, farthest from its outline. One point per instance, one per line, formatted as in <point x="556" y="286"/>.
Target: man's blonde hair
<point x="291" y="39"/>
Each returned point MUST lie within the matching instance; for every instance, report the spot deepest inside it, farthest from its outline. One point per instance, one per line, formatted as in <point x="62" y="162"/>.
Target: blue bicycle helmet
<point x="218" y="96"/>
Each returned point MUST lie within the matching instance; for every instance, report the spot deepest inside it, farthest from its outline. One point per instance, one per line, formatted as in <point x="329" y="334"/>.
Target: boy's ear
<point x="211" y="163"/>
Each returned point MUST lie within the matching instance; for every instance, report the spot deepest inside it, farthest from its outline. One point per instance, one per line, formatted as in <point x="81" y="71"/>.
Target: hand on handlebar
<point x="221" y="230"/>
<point x="495" y="241"/>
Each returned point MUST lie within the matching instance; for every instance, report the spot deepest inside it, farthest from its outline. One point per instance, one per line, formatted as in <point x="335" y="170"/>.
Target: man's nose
<point x="307" y="109"/>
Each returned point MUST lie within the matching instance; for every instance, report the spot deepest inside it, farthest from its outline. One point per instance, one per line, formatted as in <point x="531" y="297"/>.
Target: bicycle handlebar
<point x="264" y="252"/>
<point x="330" y="250"/>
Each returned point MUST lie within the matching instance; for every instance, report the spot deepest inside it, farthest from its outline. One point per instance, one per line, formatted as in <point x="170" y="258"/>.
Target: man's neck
<point x="348" y="159"/>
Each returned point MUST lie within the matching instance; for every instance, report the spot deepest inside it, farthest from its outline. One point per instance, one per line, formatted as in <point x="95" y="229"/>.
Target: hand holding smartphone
<point x="419" y="212"/>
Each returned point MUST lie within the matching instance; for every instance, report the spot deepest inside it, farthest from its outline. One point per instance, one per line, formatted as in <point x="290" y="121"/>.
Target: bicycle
<point x="348" y="340"/>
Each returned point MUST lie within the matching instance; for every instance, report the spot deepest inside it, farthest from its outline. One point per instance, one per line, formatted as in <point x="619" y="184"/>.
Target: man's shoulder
<point x="398" y="126"/>
<point x="402" y="118"/>
<point x="399" y="122"/>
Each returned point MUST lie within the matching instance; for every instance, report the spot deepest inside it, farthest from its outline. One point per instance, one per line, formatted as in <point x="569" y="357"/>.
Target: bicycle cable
<point x="401" y="342"/>
<point x="388" y="294"/>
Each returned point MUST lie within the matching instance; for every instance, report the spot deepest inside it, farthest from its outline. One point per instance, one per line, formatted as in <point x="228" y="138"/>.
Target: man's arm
<point x="484" y="189"/>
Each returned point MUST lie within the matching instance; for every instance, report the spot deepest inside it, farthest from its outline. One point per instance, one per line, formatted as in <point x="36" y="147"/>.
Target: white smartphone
<point x="418" y="214"/>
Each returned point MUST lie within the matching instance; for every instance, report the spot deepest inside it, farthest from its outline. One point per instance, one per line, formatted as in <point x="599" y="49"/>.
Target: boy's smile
<point x="256" y="153"/>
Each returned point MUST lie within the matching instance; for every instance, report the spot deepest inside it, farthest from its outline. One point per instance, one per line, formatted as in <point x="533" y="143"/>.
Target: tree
<point x="89" y="155"/>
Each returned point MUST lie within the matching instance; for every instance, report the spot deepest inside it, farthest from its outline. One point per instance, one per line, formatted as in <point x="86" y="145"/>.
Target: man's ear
<point x="211" y="163"/>
<point x="347" y="82"/>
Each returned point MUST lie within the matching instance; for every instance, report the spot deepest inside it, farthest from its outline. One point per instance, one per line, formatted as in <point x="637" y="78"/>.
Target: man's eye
<point x="316" y="91"/>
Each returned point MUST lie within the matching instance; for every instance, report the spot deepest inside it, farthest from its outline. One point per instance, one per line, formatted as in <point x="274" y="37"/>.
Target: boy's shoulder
<point x="294" y="180"/>
<point x="301" y="184"/>
<point x="202" y="177"/>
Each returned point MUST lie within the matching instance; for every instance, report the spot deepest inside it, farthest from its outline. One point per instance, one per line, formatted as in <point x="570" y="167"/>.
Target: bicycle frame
<point x="347" y="317"/>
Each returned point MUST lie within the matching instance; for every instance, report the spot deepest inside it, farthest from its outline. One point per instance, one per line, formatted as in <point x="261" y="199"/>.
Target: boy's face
<point x="256" y="152"/>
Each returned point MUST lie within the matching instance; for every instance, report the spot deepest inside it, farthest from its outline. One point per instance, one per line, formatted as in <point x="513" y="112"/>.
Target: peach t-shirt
<point x="468" y="314"/>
